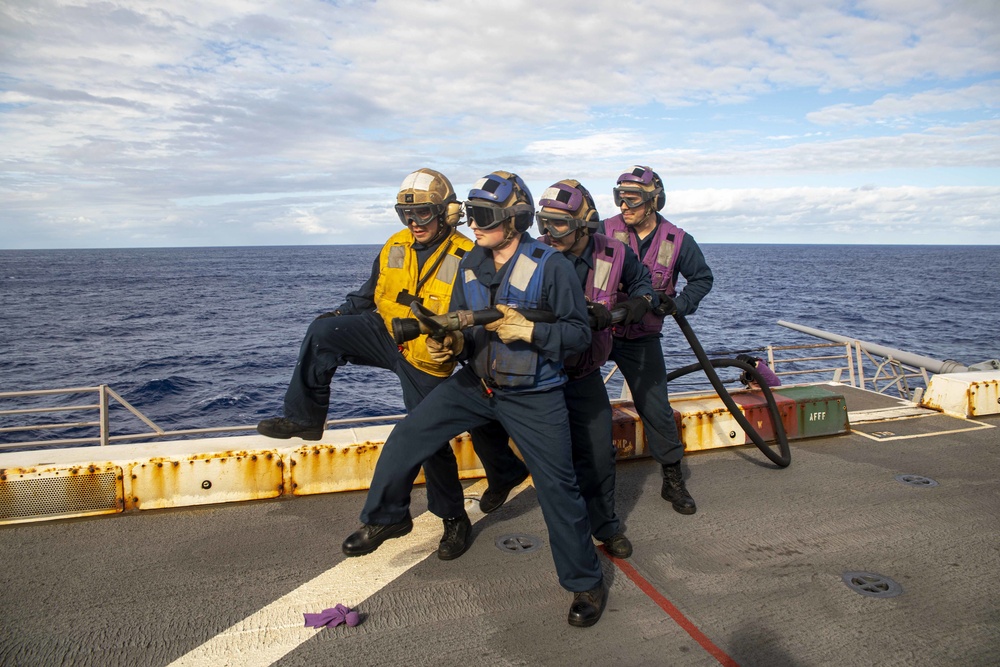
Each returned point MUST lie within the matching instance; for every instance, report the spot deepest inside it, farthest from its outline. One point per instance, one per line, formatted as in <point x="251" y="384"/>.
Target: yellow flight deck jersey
<point x="398" y="284"/>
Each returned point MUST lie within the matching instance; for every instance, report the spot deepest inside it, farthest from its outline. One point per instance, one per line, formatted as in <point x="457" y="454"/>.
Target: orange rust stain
<point x="343" y="469"/>
<point x="698" y="431"/>
<point x="252" y="476"/>
<point x="624" y="432"/>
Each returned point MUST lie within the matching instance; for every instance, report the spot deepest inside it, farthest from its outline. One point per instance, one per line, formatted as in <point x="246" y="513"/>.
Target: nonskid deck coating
<point x="757" y="570"/>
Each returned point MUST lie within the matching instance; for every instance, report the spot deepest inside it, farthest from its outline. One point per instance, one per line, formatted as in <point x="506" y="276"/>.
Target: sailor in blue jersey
<point x="667" y="251"/>
<point x="568" y="220"/>
<point x="419" y="262"/>
<point x="516" y="377"/>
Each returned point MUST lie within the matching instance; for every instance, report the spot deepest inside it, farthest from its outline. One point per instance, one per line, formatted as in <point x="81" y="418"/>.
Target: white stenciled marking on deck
<point x="277" y="629"/>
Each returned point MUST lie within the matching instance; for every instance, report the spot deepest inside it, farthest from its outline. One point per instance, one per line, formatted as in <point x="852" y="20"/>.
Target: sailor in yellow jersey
<point x="418" y="263"/>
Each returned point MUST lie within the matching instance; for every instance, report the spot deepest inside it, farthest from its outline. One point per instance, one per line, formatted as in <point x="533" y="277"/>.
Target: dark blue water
<point x="200" y="337"/>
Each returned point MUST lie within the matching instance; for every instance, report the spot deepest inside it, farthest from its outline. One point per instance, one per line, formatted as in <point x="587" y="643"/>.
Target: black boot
<point x="618" y="545"/>
<point x="494" y="497"/>
<point x="371" y="536"/>
<point x="284" y="428"/>
<point x="588" y="606"/>
<point x="674" y="491"/>
<point x="457" y="537"/>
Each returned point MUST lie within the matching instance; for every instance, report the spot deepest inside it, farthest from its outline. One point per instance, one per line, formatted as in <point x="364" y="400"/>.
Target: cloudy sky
<point x="232" y="122"/>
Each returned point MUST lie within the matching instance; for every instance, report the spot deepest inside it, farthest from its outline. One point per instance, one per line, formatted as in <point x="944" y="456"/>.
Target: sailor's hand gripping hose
<point x="427" y="322"/>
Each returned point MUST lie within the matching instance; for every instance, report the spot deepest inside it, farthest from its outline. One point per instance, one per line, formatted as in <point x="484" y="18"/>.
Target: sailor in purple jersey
<point x="667" y="251"/>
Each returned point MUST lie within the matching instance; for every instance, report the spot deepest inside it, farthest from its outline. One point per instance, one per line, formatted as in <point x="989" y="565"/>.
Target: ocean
<point x="208" y="337"/>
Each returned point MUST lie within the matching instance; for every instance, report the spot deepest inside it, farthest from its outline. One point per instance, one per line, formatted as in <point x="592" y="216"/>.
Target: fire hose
<point x="427" y="322"/>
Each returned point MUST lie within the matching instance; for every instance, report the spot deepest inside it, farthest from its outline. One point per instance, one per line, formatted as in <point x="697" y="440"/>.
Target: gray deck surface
<point x="758" y="570"/>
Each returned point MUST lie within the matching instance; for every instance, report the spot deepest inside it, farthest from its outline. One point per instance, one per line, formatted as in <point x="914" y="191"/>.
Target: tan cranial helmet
<point x="427" y="192"/>
<point x="565" y="207"/>
<point x="644" y="181"/>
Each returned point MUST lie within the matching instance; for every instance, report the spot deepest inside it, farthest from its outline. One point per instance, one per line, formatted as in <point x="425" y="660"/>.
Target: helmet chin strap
<point x="650" y="211"/>
<point x="510" y="233"/>
<point x="578" y="234"/>
<point x="443" y="228"/>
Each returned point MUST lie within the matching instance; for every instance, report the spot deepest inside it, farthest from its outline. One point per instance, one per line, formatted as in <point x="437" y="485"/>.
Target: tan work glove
<point x="445" y="350"/>
<point x="512" y="326"/>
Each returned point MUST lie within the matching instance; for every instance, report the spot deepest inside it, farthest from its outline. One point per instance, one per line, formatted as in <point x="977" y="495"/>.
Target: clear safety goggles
<point x="420" y="215"/>
<point x="632" y="197"/>
<point x="556" y="225"/>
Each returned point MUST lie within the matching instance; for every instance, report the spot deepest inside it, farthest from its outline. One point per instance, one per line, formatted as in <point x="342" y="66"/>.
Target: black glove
<point x="332" y="313"/>
<point x="636" y="307"/>
<point x="745" y="376"/>
<point x="601" y="316"/>
<point x="666" y="307"/>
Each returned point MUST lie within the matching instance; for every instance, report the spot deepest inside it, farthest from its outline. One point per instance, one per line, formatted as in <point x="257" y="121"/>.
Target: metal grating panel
<point x="59" y="494"/>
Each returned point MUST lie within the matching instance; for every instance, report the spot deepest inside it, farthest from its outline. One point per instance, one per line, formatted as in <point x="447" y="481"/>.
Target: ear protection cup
<point x="592" y="219"/>
<point x="523" y="217"/>
<point x="661" y="198"/>
<point x="453" y="213"/>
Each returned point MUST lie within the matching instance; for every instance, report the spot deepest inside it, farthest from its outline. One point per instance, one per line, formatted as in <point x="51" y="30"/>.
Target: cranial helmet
<point x="427" y="195"/>
<point x="573" y="206"/>
<point x="500" y="196"/>
<point x="644" y="180"/>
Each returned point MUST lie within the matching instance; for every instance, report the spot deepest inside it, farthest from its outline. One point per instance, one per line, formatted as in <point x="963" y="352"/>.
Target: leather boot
<point x="588" y="606"/>
<point x="674" y="491"/>
<point x="284" y="428"/>
<point x="371" y="536"/>
<point x="495" y="496"/>
<point x="457" y="537"/>
<point x="618" y="546"/>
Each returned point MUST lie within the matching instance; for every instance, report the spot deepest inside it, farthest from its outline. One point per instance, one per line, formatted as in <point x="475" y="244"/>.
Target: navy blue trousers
<point x="593" y="452"/>
<point x="640" y="361"/>
<point x="363" y="339"/>
<point x="539" y="424"/>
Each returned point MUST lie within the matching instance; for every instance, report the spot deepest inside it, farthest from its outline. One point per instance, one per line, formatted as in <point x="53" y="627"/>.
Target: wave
<point x="208" y="337"/>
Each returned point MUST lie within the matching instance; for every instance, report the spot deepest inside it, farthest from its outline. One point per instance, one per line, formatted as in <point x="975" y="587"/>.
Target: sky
<point x="232" y="122"/>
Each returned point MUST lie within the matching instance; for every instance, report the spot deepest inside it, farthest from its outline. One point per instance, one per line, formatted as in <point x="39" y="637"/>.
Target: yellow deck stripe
<point x="271" y="633"/>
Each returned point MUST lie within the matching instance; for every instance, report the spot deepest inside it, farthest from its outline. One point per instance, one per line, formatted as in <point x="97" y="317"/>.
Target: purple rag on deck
<point x="333" y="617"/>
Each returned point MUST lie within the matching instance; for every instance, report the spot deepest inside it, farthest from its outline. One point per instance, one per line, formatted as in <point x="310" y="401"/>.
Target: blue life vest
<point x="514" y="365"/>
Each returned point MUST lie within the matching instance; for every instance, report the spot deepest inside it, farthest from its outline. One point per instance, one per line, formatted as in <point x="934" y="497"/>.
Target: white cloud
<point x="966" y="215"/>
<point x="893" y="106"/>
<point x="138" y="117"/>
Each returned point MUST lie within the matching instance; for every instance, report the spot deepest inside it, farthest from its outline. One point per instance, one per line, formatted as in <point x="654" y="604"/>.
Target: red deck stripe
<point x="673" y="612"/>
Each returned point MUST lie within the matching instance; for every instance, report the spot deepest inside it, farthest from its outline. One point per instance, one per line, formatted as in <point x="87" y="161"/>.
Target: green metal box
<point x="820" y="411"/>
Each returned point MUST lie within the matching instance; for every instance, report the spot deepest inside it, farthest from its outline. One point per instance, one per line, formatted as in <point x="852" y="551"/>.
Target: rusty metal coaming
<point x="227" y="476"/>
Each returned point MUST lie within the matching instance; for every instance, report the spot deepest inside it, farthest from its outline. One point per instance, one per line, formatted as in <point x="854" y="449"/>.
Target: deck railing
<point x="888" y="373"/>
<point x="822" y="360"/>
<point x="104" y="394"/>
<point x="837" y="362"/>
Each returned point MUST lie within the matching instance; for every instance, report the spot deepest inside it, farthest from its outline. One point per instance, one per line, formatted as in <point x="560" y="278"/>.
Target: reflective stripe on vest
<point x="660" y="259"/>
<point x="397" y="287"/>
<point x="602" y="283"/>
<point x="514" y="365"/>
